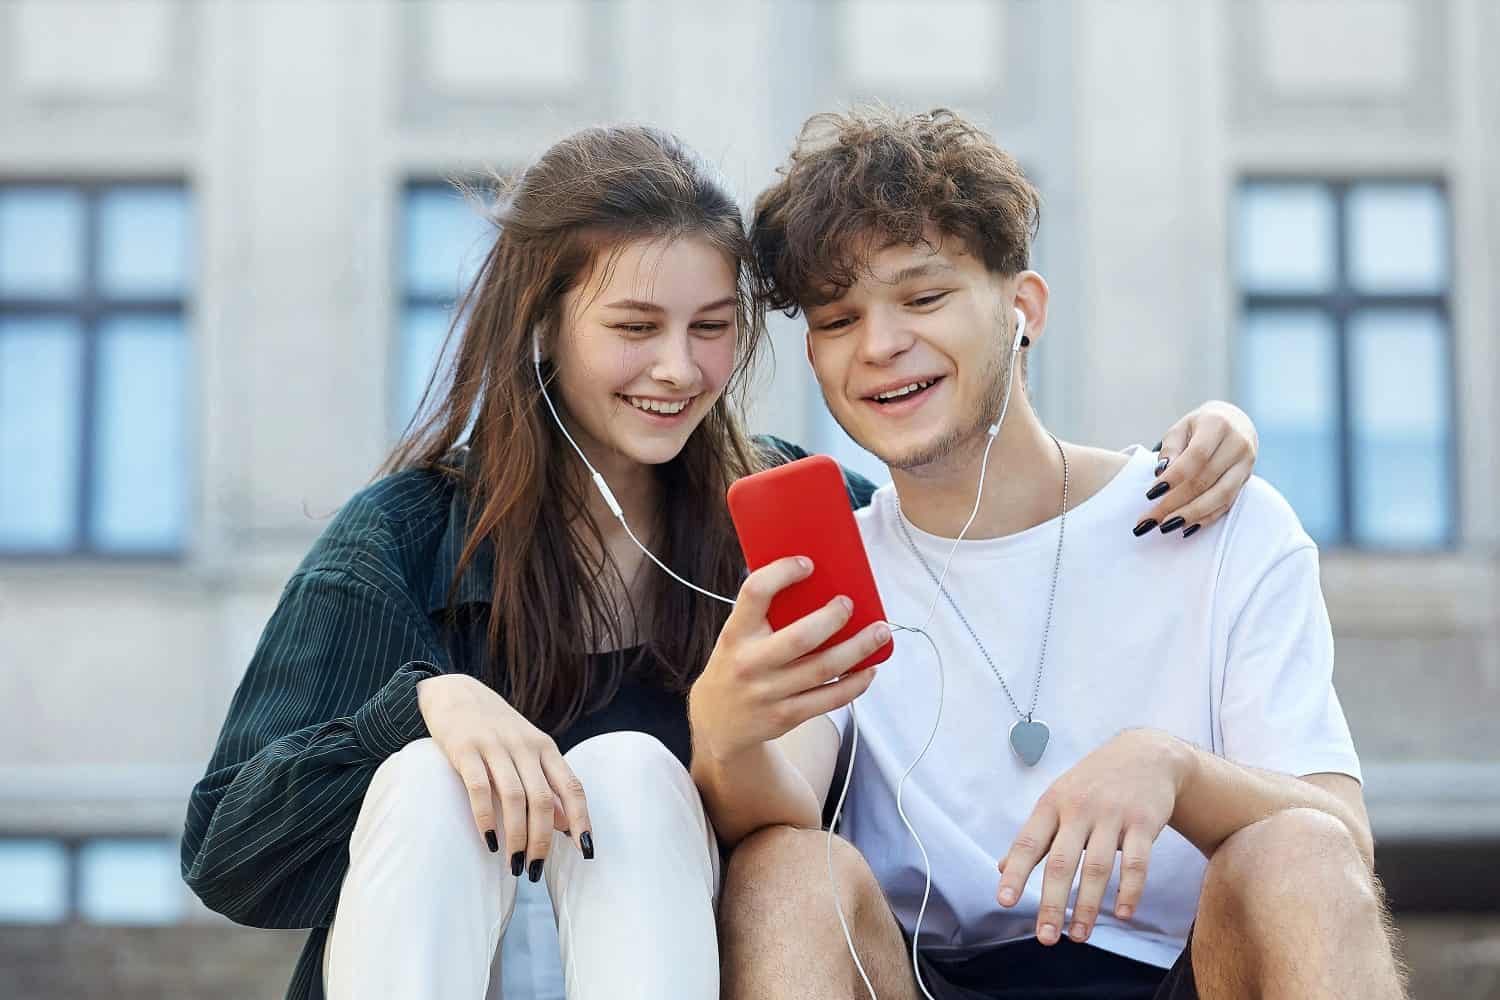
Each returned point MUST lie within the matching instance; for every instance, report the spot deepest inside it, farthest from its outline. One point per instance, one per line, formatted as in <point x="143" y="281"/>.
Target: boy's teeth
<point x="905" y="390"/>
<point x="657" y="405"/>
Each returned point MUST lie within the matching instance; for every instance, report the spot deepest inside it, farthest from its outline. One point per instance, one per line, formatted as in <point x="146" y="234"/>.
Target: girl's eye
<point x="928" y="300"/>
<point x="634" y="327"/>
<point x="712" y="326"/>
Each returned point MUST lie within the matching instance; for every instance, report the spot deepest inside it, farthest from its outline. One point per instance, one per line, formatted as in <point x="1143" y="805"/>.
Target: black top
<point x="641" y="704"/>
<point x="330" y="693"/>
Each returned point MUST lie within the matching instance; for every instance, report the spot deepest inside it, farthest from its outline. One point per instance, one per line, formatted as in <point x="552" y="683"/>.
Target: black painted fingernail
<point x="1157" y="491"/>
<point x="1158" y="446"/>
<point x="1191" y="531"/>
<point x="517" y="862"/>
<point x="1162" y="466"/>
<point x="490" y="841"/>
<point x="1173" y="523"/>
<point x="586" y="841"/>
<point x="535" y="871"/>
<point x="1145" y="526"/>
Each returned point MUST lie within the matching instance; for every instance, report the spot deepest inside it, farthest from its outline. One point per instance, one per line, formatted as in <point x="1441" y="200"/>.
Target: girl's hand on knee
<point x="503" y="758"/>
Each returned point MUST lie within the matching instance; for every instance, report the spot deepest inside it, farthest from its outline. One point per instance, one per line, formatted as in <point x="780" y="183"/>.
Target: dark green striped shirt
<point x="329" y="694"/>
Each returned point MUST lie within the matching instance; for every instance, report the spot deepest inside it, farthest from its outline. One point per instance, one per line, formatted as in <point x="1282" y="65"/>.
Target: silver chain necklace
<point x="1028" y="735"/>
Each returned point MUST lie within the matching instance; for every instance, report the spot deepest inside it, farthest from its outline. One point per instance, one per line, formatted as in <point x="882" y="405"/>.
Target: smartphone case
<point x="802" y="509"/>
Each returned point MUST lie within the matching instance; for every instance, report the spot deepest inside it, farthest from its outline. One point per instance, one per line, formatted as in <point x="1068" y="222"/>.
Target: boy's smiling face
<point x="912" y="359"/>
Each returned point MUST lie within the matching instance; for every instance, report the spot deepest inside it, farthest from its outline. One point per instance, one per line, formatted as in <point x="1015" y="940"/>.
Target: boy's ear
<point x="1031" y="299"/>
<point x="807" y="343"/>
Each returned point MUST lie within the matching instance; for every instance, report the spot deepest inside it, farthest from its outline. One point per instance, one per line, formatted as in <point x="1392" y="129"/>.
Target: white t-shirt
<point x="1222" y="640"/>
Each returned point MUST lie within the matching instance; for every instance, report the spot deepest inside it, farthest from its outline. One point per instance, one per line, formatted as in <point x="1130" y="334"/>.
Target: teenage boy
<point x="1112" y="706"/>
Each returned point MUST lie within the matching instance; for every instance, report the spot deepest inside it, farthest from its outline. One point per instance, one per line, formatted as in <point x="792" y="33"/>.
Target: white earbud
<point x="1015" y="346"/>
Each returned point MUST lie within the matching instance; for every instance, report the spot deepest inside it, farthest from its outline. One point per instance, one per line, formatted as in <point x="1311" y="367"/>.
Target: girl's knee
<point x="417" y="784"/>
<point x="419" y="764"/>
<point x="627" y="759"/>
<point x="633" y="784"/>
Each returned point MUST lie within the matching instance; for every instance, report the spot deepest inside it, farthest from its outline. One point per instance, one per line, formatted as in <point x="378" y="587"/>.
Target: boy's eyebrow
<point x="926" y="270"/>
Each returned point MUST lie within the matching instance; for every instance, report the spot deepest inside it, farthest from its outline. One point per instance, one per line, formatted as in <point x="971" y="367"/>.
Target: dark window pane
<point x="130" y="881"/>
<point x="446" y="237"/>
<point x="1289" y="382"/>
<point x="140" y="434"/>
<point x="34" y="873"/>
<point x="145" y="242"/>
<point x="1285" y="238"/>
<point x="1400" y="380"/>
<point x="41" y="242"/>
<point x="41" y="391"/>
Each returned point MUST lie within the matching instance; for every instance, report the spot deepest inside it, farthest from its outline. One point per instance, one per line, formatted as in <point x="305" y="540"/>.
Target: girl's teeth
<point x="657" y="406"/>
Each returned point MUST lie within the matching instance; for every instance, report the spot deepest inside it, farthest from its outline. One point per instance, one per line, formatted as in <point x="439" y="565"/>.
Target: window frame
<point x="1339" y="303"/>
<point x="90" y="308"/>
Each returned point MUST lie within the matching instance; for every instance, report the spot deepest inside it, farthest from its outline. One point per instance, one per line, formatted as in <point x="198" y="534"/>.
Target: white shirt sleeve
<point x="1277" y="706"/>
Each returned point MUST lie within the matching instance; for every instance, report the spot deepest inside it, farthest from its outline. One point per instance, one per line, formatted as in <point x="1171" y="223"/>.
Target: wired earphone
<point x="1019" y="341"/>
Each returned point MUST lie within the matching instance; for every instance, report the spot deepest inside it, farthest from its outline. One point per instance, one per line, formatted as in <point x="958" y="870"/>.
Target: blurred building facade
<point x="226" y="252"/>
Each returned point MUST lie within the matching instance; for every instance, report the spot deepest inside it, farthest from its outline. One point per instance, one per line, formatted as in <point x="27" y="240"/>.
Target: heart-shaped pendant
<point x="1028" y="738"/>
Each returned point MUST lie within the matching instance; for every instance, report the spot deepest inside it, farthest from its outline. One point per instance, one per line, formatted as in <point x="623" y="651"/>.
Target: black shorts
<point x="1027" y="970"/>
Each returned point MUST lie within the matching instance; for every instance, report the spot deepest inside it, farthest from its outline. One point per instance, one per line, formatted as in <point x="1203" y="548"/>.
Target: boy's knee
<point x="781" y="853"/>
<point x="1300" y="853"/>
<point x="781" y="868"/>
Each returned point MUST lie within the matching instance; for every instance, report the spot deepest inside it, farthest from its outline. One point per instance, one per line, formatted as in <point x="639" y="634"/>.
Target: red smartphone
<point x="802" y="509"/>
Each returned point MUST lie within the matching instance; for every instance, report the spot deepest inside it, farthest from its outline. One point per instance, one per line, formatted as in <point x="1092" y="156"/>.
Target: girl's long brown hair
<point x="578" y="205"/>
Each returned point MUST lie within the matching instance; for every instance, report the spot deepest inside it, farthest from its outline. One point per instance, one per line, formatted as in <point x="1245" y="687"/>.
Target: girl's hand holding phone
<point x="762" y="683"/>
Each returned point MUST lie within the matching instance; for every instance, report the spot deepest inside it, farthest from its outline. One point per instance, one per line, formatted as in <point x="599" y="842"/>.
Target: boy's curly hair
<point x="876" y="173"/>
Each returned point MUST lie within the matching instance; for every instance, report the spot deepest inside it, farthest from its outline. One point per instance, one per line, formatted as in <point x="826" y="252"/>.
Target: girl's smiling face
<point x="646" y="347"/>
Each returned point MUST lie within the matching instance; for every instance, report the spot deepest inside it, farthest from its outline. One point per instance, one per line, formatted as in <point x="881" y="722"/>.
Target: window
<point x="34" y="872"/>
<point x="104" y="880"/>
<point x="129" y="880"/>
<point x="93" y="368"/>
<point x="1345" y="355"/>
<point x="444" y="239"/>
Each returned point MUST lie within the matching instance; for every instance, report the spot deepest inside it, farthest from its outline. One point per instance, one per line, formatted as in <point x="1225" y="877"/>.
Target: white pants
<point x="425" y="903"/>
